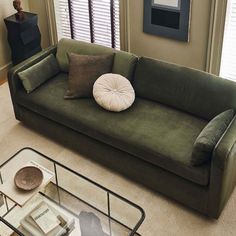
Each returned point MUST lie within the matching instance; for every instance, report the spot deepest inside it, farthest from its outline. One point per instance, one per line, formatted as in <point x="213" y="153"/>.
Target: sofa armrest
<point x="13" y="79"/>
<point x="223" y="171"/>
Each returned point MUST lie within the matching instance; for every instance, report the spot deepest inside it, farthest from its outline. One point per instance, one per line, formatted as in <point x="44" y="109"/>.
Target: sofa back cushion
<point x="192" y="91"/>
<point x="124" y="62"/>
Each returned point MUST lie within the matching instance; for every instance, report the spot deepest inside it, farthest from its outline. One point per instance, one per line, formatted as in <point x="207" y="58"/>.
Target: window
<point x="228" y="61"/>
<point x="95" y="21"/>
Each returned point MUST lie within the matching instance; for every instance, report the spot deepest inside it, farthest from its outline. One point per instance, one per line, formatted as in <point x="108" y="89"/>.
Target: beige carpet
<point x="163" y="216"/>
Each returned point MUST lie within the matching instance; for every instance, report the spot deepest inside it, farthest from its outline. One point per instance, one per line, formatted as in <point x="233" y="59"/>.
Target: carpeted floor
<point x="163" y="216"/>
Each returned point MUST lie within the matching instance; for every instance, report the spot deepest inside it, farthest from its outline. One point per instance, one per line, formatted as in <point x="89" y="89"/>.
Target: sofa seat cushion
<point x="155" y="133"/>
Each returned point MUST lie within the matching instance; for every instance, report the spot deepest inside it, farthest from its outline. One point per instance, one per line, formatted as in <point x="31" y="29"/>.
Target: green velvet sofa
<point x="152" y="141"/>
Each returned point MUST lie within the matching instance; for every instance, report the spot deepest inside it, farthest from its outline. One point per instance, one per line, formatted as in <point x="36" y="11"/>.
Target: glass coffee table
<point x="94" y="209"/>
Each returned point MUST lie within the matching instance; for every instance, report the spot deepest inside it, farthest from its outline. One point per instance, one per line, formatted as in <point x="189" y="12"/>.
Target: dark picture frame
<point x="167" y="20"/>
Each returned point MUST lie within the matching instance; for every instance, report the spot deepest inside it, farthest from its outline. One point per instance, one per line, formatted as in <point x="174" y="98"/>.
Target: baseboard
<point x="3" y="71"/>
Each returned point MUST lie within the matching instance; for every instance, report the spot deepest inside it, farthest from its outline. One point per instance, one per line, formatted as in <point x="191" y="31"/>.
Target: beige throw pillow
<point x="84" y="71"/>
<point x="113" y="92"/>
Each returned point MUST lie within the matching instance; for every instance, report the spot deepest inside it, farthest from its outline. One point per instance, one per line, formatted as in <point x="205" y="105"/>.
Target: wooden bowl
<point x="28" y="178"/>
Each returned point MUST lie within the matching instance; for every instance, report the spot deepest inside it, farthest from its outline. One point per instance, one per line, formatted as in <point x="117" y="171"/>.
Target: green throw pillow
<point x="39" y="73"/>
<point x="209" y="137"/>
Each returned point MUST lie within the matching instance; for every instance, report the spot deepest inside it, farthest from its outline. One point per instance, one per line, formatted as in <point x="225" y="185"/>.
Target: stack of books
<point x="47" y="220"/>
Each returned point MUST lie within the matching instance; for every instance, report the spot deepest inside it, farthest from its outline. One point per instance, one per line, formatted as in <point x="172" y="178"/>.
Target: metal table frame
<point x="106" y="190"/>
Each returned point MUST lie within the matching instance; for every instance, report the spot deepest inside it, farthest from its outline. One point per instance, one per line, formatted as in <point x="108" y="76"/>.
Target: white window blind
<point x="96" y="21"/>
<point x="62" y="18"/>
<point x="228" y="61"/>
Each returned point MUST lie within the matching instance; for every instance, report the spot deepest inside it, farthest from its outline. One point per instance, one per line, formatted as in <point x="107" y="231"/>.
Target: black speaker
<point x="24" y="36"/>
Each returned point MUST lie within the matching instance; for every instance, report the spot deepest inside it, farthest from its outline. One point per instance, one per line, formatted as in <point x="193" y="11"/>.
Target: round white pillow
<point x="113" y="92"/>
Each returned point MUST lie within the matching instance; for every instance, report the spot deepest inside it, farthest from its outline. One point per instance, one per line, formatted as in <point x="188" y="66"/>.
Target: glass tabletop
<point x="91" y="208"/>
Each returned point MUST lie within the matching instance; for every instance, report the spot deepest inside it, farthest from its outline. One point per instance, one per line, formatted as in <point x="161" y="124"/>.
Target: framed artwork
<point x="167" y="18"/>
<point x="169" y="4"/>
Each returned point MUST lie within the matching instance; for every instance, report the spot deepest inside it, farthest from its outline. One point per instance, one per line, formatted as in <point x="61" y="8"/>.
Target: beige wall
<point x="6" y="9"/>
<point x="192" y="54"/>
<point x="39" y="7"/>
